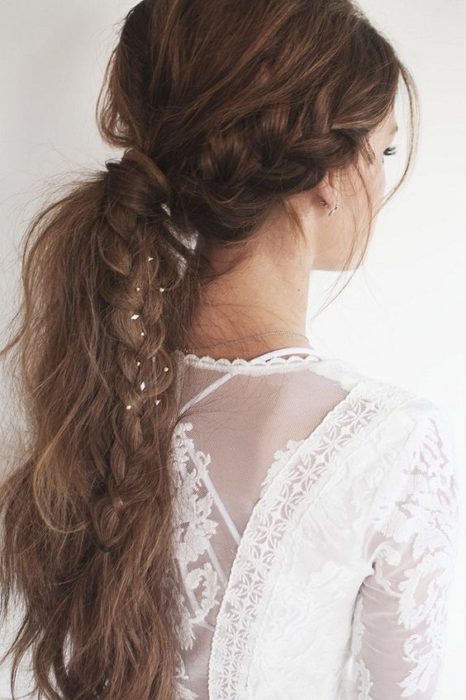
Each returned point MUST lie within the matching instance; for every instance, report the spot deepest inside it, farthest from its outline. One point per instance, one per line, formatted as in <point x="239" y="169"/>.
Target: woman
<point x="205" y="507"/>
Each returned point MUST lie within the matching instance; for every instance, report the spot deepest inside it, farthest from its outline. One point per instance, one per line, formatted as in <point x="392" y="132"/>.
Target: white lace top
<point x="317" y="528"/>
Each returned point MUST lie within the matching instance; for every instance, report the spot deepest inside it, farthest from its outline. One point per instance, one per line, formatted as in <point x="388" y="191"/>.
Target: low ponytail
<point x="97" y="490"/>
<point x="131" y="256"/>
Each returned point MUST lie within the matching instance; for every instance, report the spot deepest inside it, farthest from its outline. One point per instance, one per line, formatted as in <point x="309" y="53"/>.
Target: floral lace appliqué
<point x="414" y="563"/>
<point x="193" y="530"/>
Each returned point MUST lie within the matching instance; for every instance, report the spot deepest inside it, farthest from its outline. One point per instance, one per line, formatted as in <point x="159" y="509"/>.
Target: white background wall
<point x="402" y="318"/>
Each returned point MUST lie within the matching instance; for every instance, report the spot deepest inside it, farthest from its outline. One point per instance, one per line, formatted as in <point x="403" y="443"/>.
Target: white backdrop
<point x="402" y="318"/>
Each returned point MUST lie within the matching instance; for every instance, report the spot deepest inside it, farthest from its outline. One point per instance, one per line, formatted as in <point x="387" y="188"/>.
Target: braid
<point x="131" y="207"/>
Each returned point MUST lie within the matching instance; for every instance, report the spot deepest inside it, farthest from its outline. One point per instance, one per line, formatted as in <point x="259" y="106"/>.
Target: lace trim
<point x="239" y="364"/>
<point x="280" y="460"/>
<point x="366" y="405"/>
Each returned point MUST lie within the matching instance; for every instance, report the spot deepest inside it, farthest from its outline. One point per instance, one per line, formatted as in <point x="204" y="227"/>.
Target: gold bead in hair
<point x="138" y="362"/>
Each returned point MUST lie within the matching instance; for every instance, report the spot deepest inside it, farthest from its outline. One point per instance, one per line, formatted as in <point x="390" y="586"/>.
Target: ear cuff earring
<point x="332" y="211"/>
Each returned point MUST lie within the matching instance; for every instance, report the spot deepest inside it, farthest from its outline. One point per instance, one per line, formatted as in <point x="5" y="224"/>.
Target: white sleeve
<point x="401" y="608"/>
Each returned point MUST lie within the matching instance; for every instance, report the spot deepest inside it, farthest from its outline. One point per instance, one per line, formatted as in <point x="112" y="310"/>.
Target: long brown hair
<point x="224" y="109"/>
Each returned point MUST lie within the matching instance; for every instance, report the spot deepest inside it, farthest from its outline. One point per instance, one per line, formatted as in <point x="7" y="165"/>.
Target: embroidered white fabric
<point x="317" y="515"/>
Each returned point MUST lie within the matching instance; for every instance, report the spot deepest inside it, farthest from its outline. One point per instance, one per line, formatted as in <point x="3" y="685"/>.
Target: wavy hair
<point x="224" y="109"/>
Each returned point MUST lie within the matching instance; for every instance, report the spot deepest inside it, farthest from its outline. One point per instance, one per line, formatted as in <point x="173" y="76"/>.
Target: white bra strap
<point x="206" y="391"/>
<point x="265" y="356"/>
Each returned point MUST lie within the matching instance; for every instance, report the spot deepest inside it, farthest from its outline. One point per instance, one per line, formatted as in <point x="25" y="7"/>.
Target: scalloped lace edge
<point x="208" y="361"/>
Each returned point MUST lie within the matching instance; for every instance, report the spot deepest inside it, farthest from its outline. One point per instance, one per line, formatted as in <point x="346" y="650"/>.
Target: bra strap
<point x="221" y="380"/>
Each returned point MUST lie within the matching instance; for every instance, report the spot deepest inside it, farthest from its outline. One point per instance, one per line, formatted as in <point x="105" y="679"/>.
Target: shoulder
<point x="414" y="416"/>
<point x="409" y="422"/>
<point x="402" y="447"/>
<point x="414" y="461"/>
<point x="392" y="402"/>
<point x="406" y="464"/>
<point x="390" y="425"/>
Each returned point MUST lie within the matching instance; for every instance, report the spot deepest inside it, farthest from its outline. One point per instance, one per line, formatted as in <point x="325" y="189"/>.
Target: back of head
<point x="224" y="109"/>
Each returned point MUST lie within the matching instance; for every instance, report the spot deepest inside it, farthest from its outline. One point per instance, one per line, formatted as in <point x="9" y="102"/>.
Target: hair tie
<point x="104" y="547"/>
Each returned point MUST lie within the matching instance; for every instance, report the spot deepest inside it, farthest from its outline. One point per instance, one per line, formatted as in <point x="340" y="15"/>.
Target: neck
<point x="268" y="291"/>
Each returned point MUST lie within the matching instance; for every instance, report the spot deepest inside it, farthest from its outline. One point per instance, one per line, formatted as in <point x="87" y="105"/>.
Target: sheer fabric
<point x="316" y="531"/>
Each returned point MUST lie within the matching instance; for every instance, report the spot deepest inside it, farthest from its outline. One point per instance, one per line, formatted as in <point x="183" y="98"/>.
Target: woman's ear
<point x="327" y="191"/>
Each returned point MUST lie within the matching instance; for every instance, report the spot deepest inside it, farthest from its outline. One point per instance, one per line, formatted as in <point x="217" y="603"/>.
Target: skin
<point x="269" y="291"/>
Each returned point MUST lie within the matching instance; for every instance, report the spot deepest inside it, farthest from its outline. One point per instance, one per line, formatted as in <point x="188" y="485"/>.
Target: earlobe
<point x="333" y="210"/>
<point x="327" y="194"/>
